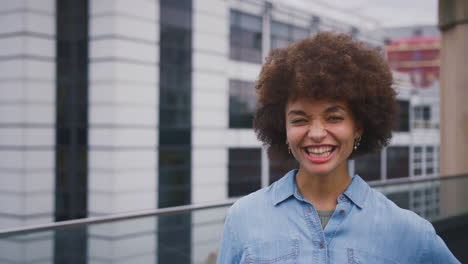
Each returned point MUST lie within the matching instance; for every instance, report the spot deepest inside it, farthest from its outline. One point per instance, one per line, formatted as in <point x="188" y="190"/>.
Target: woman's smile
<point x="320" y="153"/>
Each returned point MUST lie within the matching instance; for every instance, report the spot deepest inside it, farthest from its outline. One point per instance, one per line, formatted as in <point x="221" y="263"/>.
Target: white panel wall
<point x="27" y="116"/>
<point x="123" y="134"/>
<point x="210" y="96"/>
<point x="210" y="113"/>
<point x="211" y="135"/>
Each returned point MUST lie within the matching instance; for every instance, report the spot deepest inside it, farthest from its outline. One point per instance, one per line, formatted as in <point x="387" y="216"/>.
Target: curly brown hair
<point x="327" y="66"/>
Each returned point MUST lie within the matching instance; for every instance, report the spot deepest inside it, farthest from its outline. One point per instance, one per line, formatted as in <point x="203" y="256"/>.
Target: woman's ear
<point x="359" y="130"/>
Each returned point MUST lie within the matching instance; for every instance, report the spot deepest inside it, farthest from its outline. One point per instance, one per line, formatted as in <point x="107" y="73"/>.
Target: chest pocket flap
<point x="361" y="257"/>
<point x="281" y="251"/>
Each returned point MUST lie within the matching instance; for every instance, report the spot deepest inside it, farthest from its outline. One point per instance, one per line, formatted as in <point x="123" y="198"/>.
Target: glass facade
<point x="429" y="160"/>
<point x="175" y="95"/>
<point x="402" y="199"/>
<point x="175" y="89"/>
<point x="245" y="37"/>
<point x="72" y="110"/>
<point x="425" y="201"/>
<point x="368" y="166"/>
<point x="244" y="171"/>
<point x="71" y="140"/>
<point x="279" y="167"/>
<point x="422" y="116"/>
<point x="417" y="161"/>
<point x="242" y="103"/>
<point x="397" y="162"/>
<point x="404" y="121"/>
<point x="283" y="34"/>
<point x="422" y="112"/>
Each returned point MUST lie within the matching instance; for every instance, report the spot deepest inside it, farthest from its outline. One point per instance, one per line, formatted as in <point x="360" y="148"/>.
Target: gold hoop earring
<point x="357" y="142"/>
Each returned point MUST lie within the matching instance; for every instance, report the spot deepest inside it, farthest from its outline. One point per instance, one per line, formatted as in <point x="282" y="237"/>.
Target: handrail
<point x="187" y="208"/>
<point x="399" y="181"/>
<point x="115" y="217"/>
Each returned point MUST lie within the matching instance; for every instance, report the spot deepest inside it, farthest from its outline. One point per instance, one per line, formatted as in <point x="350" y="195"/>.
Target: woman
<point x="323" y="101"/>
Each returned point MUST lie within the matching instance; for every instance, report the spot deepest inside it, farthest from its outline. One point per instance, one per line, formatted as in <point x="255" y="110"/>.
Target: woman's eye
<point x="334" y="118"/>
<point x="298" y="121"/>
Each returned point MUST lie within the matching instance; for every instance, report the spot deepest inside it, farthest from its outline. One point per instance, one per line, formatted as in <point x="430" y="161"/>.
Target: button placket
<point x="313" y="222"/>
<point x="341" y="212"/>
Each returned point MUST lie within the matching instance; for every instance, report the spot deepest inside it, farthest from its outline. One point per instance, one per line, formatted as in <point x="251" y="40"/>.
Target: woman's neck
<point x="323" y="190"/>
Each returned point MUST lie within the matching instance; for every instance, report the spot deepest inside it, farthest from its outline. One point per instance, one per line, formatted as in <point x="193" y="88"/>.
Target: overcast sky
<point x="384" y="13"/>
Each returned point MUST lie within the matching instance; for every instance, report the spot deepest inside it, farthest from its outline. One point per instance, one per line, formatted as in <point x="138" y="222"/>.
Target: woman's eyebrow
<point x="334" y="108"/>
<point x="296" y="112"/>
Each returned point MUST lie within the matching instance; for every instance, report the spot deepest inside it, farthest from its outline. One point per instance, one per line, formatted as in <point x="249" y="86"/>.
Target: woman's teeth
<point x="319" y="151"/>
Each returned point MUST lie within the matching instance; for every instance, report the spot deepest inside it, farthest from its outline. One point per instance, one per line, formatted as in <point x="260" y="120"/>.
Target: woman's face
<point x="321" y="135"/>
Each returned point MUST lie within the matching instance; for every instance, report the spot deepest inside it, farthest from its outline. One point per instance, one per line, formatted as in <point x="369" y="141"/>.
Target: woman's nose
<point x="317" y="131"/>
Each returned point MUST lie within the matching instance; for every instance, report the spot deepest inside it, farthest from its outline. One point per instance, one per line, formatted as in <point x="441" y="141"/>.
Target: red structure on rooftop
<point x="416" y="55"/>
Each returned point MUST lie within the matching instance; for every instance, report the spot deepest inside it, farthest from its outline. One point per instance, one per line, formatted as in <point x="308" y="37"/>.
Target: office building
<point x="111" y="106"/>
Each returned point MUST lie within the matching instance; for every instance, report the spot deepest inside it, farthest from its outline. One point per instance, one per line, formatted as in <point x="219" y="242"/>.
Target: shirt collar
<point x="285" y="187"/>
<point x="356" y="192"/>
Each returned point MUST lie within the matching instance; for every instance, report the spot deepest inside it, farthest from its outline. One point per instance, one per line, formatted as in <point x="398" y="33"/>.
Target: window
<point x="397" y="162"/>
<point x="244" y="171"/>
<point x="242" y="103"/>
<point x="429" y="160"/>
<point x="279" y="167"/>
<point x="368" y="166"/>
<point x="417" y="160"/>
<point x="422" y="116"/>
<point x="175" y="89"/>
<point x="283" y="34"/>
<point x="400" y="198"/>
<point x="425" y="201"/>
<point x="175" y="112"/>
<point x="403" y="124"/>
<point x="245" y="37"/>
<point x="71" y="135"/>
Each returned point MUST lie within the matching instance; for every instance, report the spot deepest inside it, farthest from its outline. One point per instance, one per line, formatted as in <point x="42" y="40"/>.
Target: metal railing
<point x="193" y="207"/>
<point x="189" y="233"/>
<point x="114" y="217"/>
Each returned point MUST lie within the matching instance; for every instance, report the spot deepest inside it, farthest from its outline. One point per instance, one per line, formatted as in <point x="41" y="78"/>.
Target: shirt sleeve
<point x="437" y="251"/>
<point x="230" y="248"/>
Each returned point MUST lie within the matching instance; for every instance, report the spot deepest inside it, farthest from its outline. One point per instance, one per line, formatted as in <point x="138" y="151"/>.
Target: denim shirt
<point x="277" y="225"/>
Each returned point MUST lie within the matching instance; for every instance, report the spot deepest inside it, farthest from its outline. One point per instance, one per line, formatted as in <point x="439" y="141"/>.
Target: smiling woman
<point x="322" y="101"/>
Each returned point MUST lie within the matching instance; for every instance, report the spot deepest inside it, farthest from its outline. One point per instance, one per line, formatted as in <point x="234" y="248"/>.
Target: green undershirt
<point x="324" y="216"/>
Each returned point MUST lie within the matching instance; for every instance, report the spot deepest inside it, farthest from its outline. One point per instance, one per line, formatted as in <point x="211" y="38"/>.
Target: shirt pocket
<point x="361" y="257"/>
<point x="281" y="251"/>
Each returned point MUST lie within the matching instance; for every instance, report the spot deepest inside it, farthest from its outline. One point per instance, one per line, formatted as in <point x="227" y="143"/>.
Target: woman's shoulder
<point x="412" y="232"/>
<point x="397" y="216"/>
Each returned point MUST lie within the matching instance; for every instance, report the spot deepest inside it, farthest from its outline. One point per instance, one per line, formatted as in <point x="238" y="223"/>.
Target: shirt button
<point x="341" y="197"/>
<point x="342" y="211"/>
<point x="321" y="244"/>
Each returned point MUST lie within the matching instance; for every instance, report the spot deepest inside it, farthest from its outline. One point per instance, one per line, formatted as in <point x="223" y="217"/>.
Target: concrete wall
<point x="123" y="89"/>
<point x="27" y="121"/>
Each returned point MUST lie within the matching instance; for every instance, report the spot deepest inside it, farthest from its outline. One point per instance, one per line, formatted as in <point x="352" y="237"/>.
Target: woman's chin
<point x="315" y="171"/>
